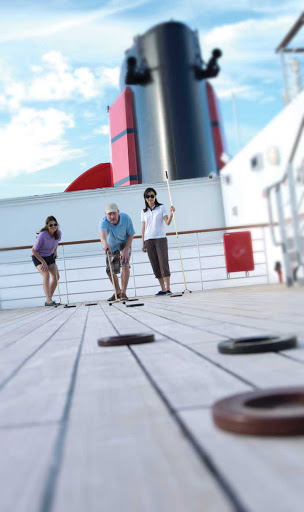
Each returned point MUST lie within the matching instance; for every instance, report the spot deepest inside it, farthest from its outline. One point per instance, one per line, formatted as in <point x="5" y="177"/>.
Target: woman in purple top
<point x="44" y="255"/>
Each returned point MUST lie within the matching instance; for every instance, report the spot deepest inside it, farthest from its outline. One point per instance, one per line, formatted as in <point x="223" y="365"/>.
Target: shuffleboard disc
<point x="125" y="339"/>
<point x="269" y="412"/>
<point x="256" y="344"/>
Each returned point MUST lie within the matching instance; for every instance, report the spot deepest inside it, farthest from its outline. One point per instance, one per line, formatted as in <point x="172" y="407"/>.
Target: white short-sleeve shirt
<point x="155" y="227"/>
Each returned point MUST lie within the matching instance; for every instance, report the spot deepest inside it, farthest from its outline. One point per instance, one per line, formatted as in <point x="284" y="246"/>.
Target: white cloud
<point x="49" y="185"/>
<point x="57" y="80"/>
<point x="109" y="76"/>
<point x="33" y="140"/>
<point x="247" y="41"/>
<point x="225" y="86"/>
<point x="36" y="69"/>
<point x="194" y="9"/>
<point x="103" y="130"/>
<point x="36" y="26"/>
<point x="268" y="99"/>
<point x="248" y="54"/>
<point x="89" y="115"/>
<point x="243" y="133"/>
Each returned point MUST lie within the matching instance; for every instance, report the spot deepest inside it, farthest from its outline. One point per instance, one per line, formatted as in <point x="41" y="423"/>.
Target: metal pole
<point x="266" y="255"/>
<point x="236" y="121"/>
<point x="286" y="90"/>
<point x="286" y="258"/>
<point x="294" y="213"/>
<point x="66" y="280"/>
<point x="199" y="260"/>
<point x="133" y="275"/>
<point x="178" y="244"/>
<point x="59" y="293"/>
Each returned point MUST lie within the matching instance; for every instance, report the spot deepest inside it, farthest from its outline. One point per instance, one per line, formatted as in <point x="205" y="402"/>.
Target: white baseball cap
<point x="111" y="207"/>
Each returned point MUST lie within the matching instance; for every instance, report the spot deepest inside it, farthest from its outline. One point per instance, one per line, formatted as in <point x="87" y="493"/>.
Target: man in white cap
<point x="116" y="235"/>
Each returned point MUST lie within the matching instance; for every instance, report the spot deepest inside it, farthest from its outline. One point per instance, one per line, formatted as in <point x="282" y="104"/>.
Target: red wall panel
<point x="217" y="130"/>
<point x="122" y="133"/>
<point x="238" y="251"/>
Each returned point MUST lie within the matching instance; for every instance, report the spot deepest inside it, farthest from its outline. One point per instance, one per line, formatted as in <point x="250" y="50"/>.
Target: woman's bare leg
<point x="167" y="283"/>
<point x="162" y="283"/>
<point x="53" y="269"/>
<point x="46" y="283"/>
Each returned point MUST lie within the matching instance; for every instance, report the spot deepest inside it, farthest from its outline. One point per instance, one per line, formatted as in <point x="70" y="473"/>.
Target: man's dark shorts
<point x="49" y="260"/>
<point x="116" y="262"/>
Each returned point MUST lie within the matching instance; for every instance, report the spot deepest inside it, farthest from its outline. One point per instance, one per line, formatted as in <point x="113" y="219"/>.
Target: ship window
<point x="256" y="162"/>
<point x="235" y="211"/>
<point x="273" y="155"/>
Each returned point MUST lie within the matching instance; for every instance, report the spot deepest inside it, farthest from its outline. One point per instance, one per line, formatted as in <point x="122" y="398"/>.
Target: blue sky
<point x="59" y="69"/>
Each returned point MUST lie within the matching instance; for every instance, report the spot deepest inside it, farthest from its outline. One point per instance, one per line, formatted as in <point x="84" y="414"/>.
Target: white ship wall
<point x="198" y="205"/>
<point x="260" y="164"/>
<point x="243" y="184"/>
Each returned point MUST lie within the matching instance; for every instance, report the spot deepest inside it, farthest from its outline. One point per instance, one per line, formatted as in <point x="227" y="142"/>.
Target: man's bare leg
<point x="116" y="282"/>
<point x="125" y="275"/>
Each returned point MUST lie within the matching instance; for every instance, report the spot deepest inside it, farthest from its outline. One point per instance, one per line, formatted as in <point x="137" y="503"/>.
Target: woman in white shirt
<point x="154" y="217"/>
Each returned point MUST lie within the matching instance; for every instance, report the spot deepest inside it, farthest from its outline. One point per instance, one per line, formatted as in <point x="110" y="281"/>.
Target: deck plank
<point x="123" y="448"/>
<point x="267" y="472"/>
<point x="267" y="370"/>
<point x="37" y="393"/>
<point x="185" y="378"/>
<point x="8" y="318"/>
<point x="16" y="332"/>
<point x="24" y="462"/>
<point x="15" y="356"/>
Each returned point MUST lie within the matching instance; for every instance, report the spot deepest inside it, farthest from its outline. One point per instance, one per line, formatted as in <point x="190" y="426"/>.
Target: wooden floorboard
<point x="24" y="464"/>
<point x="37" y="392"/>
<point x="105" y="429"/>
<point x="16" y="356"/>
<point x="268" y="473"/>
<point x="139" y="460"/>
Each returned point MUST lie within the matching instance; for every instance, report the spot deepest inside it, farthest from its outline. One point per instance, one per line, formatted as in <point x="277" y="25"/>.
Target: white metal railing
<point x="292" y="246"/>
<point x="83" y="275"/>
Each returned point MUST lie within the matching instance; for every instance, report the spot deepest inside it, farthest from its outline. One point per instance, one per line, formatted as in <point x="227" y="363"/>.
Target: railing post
<point x="266" y="255"/>
<point x="286" y="258"/>
<point x="66" y="280"/>
<point x="133" y="274"/>
<point x="199" y="260"/>
<point x="294" y="214"/>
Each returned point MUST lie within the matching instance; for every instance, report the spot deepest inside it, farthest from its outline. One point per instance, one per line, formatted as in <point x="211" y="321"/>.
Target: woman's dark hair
<point x="49" y="219"/>
<point x="150" y="189"/>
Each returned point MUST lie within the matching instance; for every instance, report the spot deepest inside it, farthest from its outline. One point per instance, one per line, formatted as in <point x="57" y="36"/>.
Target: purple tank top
<point x="45" y="243"/>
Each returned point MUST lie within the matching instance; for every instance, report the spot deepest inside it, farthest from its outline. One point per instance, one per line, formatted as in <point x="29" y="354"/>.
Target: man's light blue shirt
<point x="117" y="235"/>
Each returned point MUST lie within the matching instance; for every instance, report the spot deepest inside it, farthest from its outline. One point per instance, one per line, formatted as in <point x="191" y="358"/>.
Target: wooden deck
<point x="90" y="429"/>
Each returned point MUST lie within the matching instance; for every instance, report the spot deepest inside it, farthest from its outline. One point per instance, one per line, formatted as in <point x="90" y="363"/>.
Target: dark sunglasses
<point x="51" y="225"/>
<point x="150" y="195"/>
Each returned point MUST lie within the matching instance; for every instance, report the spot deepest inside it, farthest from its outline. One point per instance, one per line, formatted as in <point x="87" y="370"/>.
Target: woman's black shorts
<point x="49" y="260"/>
